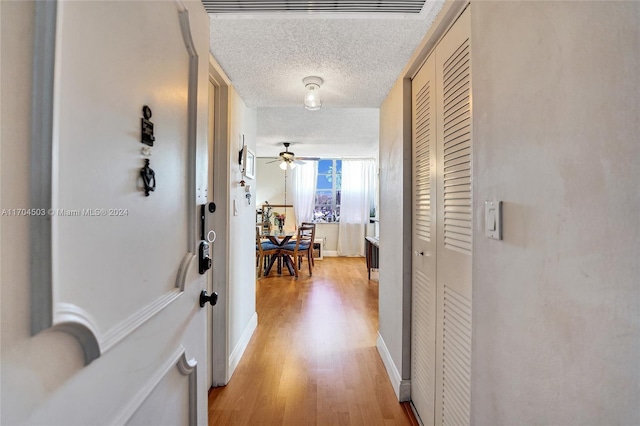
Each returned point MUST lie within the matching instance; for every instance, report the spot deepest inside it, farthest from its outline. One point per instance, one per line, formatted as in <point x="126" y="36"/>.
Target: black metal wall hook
<point x="148" y="177"/>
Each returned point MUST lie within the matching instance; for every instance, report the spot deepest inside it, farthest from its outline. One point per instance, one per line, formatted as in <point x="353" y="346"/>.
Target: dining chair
<point x="264" y="249"/>
<point x="264" y="228"/>
<point x="303" y="244"/>
<point x="313" y="239"/>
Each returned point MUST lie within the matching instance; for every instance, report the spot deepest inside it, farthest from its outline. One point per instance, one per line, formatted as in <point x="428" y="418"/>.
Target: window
<point x="327" y="203"/>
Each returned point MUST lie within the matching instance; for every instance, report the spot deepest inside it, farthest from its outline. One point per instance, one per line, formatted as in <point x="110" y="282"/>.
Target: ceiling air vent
<point x="318" y="6"/>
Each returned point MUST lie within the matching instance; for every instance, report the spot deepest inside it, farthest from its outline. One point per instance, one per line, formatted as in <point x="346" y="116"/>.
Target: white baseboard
<point x="334" y="253"/>
<point x="402" y="388"/>
<point x="238" y="351"/>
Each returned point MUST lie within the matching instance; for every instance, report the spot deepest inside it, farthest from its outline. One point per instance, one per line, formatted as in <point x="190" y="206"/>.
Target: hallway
<point x="312" y="359"/>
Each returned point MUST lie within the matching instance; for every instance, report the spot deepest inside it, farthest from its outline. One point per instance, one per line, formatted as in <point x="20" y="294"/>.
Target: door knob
<point x="204" y="298"/>
<point x="418" y="253"/>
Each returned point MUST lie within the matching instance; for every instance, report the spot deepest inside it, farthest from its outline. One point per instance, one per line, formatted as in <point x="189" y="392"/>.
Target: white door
<point x="118" y="270"/>
<point x="441" y="318"/>
<point x="423" y="330"/>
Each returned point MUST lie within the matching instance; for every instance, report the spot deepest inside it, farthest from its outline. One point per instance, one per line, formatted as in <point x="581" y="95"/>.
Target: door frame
<point x="218" y="281"/>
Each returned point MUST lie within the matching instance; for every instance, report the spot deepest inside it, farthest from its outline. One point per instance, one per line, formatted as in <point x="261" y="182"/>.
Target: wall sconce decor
<point x="312" y="97"/>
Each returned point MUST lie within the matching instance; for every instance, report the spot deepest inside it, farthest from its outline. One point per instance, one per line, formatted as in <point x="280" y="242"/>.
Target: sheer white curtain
<point x="304" y="190"/>
<point x="355" y="202"/>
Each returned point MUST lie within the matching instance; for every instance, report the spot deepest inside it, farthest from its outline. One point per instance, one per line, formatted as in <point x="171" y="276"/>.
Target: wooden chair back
<point x="307" y="233"/>
<point x="303" y="245"/>
<point x="264" y="226"/>
<point x="313" y="238"/>
<point x="261" y="252"/>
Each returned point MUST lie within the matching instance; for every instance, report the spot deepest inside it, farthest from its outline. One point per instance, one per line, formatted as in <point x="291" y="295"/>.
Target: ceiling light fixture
<point x="284" y="163"/>
<point x="312" y="97"/>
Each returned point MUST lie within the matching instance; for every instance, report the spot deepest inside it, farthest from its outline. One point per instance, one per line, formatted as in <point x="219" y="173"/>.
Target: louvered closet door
<point x="454" y="151"/>
<point x="423" y="331"/>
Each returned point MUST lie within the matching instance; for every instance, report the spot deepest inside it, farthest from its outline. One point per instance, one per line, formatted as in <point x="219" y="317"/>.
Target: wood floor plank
<point x="312" y="359"/>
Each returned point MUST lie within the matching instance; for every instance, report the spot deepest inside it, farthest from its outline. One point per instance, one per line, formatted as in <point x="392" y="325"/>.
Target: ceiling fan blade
<point x="298" y="162"/>
<point x="308" y="158"/>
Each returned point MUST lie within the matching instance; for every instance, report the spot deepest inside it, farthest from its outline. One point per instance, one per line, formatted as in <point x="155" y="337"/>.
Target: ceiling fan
<point x="287" y="157"/>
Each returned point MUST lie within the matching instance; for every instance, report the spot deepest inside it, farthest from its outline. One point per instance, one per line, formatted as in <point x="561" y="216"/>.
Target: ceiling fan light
<point x="292" y="165"/>
<point x="283" y="165"/>
<point x="312" y="97"/>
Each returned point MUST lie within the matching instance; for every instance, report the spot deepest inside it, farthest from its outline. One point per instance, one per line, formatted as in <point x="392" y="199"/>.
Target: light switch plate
<point x="493" y="219"/>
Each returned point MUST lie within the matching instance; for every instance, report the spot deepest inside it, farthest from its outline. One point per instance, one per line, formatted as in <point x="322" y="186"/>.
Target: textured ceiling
<point x="351" y="132"/>
<point x="359" y="57"/>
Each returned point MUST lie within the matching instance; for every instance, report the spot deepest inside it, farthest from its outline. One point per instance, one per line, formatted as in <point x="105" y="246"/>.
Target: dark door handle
<point x="204" y="298"/>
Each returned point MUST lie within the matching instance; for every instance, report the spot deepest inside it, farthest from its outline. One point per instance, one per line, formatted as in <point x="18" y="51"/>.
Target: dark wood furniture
<point x="280" y="240"/>
<point x="264" y="249"/>
<point x="303" y="245"/>
<point x="313" y="240"/>
<point x="372" y="246"/>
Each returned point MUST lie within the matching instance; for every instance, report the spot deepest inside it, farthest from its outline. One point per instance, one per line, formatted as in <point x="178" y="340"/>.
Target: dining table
<point x="280" y="239"/>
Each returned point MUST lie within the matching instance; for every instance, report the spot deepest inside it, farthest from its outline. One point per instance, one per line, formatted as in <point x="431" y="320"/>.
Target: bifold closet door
<point x="454" y="220"/>
<point x="423" y="331"/>
<point x="441" y="273"/>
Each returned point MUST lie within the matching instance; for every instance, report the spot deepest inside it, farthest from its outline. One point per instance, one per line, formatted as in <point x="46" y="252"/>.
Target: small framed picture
<point x="249" y="163"/>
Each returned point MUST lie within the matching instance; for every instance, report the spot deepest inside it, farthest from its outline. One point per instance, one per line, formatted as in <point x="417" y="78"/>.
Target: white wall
<point x="270" y="184"/>
<point x="241" y="245"/>
<point x="395" y="234"/>
<point x="556" y="326"/>
<point x="233" y="274"/>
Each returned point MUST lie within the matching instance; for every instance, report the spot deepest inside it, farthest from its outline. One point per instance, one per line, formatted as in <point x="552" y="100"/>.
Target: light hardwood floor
<point x="312" y="359"/>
